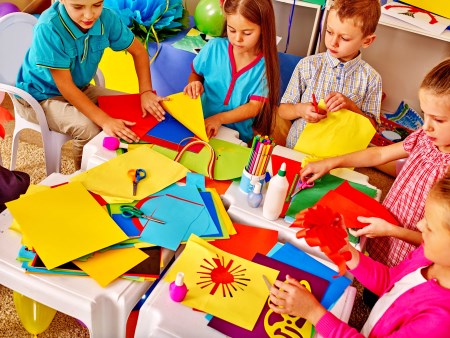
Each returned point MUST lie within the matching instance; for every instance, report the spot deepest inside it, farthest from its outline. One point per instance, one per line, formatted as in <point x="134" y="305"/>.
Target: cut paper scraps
<point x="5" y="116"/>
<point x="342" y="132"/>
<point x="128" y="107"/>
<point x="351" y="203"/>
<point x="292" y="255"/>
<point x="63" y="223"/>
<point x="230" y="158"/>
<point x="222" y="284"/>
<point x="323" y="227"/>
<point x="248" y="241"/>
<point x="111" y="179"/>
<point x="417" y="17"/>
<point x="307" y="198"/>
<point x="187" y="111"/>
<point x="271" y="324"/>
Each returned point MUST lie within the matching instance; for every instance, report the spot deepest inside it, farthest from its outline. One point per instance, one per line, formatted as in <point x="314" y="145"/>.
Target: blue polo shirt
<point x="227" y="89"/>
<point x="59" y="44"/>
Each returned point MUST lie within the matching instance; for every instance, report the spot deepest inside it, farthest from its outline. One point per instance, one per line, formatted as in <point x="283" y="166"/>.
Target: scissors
<point x="300" y="186"/>
<point x="136" y="175"/>
<point x="130" y="211"/>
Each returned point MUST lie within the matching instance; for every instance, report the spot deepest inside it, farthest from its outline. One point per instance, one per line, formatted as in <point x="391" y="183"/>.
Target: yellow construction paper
<point x="223" y="214"/>
<point x="65" y="223"/>
<point x="106" y="266"/>
<point x="342" y="132"/>
<point x="119" y="72"/>
<point x="188" y="112"/>
<point x="111" y="178"/>
<point x="222" y="284"/>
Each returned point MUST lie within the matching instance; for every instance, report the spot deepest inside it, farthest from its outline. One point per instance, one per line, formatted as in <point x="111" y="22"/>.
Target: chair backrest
<point x="16" y="34"/>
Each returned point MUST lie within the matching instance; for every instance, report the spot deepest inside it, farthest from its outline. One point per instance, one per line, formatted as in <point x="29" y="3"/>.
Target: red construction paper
<point x="5" y="116"/>
<point x="128" y="107"/>
<point x="324" y="228"/>
<point x="248" y="241"/>
<point x="292" y="167"/>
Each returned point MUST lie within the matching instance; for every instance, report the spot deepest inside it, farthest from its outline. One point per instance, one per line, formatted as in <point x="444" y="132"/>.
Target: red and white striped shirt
<point x="406" y="198"/>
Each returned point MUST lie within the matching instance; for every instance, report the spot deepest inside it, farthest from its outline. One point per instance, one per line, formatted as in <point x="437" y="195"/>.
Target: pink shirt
<point x="422" y="311"/>
<point x="406" y="198"/>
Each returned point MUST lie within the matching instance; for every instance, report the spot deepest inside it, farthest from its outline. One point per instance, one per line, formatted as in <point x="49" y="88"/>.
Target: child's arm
<point x="369" y="157"/>
<point x="378" y="228"/>
<point x="113" y="127"/>
<point x="194" y="87"/>
<point x="293" y="111"/>
<point x="241" y="113"/>
<point x="149" y="99"/>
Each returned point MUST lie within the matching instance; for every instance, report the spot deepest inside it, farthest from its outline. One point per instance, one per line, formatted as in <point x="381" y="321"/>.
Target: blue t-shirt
<point x="59" y="44"/>
<point x="227" y="89"/>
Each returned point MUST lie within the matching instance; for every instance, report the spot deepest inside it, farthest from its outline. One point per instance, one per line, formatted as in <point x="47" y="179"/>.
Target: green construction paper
<point x="306" y="198"/>
<point x="231" y="158"/>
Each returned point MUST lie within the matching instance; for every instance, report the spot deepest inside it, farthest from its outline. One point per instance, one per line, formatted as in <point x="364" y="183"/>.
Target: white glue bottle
<point x="276" y="194"/>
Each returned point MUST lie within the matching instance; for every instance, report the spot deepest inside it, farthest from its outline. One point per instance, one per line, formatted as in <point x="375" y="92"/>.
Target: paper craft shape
<point x="111" y="179"/>
<point x="292" y="255"/>
<point x="105" y="267"/>
<point x="187" y="111"/>
<point x="351" y="203"/>
<point x="248" y="241"/>
<point x="222" y="284"/>
<point x="230" y="159"/>
<point x="63" y="223"/>
<point x="342" y="132"/>
<point x="128" y="107"/>
<point x="271" y="324"/>
<point x="417" y="16"/>
<point x="309" y="197"/>
<point x="438" y="7"/>
<point x="192" y="41"/>
<point x="224" y="218"/>
<point x="323" y="227"/>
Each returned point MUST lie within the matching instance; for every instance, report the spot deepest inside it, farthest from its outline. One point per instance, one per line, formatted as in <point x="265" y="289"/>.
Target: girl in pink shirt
<point x="414" y="296"/>
<point x="428" y="158"/>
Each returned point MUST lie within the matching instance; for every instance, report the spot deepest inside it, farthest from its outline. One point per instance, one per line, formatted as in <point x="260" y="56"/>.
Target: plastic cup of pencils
<point x="248" y="181"/>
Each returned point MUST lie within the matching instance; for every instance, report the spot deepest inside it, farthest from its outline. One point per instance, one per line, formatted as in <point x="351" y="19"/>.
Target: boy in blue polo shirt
<point x="68" y="43"/>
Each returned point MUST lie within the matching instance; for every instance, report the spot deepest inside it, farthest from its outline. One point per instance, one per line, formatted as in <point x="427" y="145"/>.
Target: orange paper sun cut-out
<point x="221" y="274"/>
<point x="325" y="228"/>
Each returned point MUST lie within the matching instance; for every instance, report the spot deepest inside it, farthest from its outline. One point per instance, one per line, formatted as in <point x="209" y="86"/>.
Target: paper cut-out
<point x="211" y="277"/>
<point x="189" y="112"/>
<point x="324" y="228"/>
<point x="342" y="132"/>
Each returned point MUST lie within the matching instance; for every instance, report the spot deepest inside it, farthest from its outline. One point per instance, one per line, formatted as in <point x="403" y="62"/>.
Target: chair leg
<point x="14" y="148"/>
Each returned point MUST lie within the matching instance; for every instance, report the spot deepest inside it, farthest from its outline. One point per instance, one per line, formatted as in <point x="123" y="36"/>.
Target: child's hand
<point x="377" y="227"/>
<point x="150" y="103"/>
<point x="194" y="89"/>
<point x="310" y="115"/>
<point x="294" y="299"/>
<point x="315" y="170"/>
<point x="212" y="125"/>
<point x="119" y="128"/>
<point x="336" y="101"/>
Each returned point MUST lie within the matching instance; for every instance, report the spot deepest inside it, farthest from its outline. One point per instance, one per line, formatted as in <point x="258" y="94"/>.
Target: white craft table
<point x="104" y="311"/>
<point x="161" y="317"/>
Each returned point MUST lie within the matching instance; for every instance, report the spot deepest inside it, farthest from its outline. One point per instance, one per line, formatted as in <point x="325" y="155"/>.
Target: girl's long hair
<point x="261" y="13"/>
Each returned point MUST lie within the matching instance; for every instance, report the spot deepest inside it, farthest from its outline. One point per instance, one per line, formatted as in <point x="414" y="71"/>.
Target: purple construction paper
<point x="318" y="288"/>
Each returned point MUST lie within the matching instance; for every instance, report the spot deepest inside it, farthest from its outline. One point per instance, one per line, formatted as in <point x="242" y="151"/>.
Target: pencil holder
<point x="248" y="181"/>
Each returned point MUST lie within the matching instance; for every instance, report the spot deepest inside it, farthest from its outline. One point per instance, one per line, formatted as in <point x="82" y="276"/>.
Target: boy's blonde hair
<point x="364" y="13"/>
<point x="437" y="81"/>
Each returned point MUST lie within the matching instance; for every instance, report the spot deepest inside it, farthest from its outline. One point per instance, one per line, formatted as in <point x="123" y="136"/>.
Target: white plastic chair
<point x="16" y="33"/>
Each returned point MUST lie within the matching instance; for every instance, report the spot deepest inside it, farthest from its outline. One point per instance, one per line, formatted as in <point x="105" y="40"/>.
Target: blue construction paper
<point x="292" y="255"/>
<point x="126" y="224"/>
<point x="197" y="180"/>
<point x="25" y="255"/>
<point x="209" y="204"/>
<point x="204" y="225"/>
<point x="179" y="217"/>
<point x="171" y="130"/>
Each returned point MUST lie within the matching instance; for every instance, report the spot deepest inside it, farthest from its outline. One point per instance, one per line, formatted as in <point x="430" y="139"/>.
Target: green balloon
<point x="209" y="18"/>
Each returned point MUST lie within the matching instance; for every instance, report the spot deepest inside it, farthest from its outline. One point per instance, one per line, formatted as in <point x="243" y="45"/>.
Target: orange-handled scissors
<point x="136" y="175"/>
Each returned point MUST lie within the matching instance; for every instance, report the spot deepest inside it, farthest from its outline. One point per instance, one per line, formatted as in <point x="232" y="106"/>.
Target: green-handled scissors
<point x="130" y="211"/>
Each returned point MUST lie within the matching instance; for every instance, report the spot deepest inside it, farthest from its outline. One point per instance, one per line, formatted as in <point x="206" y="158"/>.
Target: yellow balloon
<point x="35" y="317"/>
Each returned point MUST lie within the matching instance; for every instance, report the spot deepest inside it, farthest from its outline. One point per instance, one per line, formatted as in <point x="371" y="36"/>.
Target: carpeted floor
<point x="31" y="160"/>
